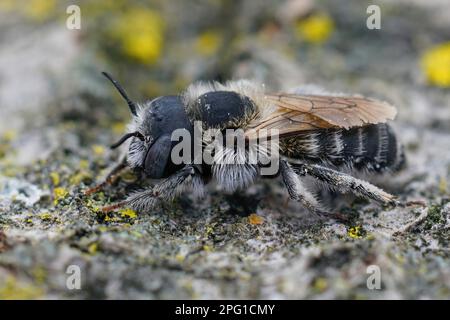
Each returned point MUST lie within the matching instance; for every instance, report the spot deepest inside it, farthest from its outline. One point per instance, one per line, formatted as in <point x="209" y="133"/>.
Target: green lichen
<point x="435" y="217"/>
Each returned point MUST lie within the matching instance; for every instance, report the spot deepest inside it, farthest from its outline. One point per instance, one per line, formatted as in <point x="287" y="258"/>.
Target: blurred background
<point x="159" y="47"/>
<point x="58" y="115"/>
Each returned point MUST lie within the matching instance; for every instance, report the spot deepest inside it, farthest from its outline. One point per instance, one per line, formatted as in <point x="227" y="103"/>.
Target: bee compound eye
<point x="157" y="157"/>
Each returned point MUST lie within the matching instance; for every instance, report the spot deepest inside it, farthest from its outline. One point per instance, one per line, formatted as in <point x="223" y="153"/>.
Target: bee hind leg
<point x="166" y="190"/>
<point x="346" y="183"/>
<point x="297" y="191"/>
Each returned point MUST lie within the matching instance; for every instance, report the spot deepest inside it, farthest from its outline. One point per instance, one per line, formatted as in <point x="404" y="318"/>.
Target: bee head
<point x="150" y="132"/>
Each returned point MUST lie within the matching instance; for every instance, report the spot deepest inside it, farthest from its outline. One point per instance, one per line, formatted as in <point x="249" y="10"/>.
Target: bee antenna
<point x="122" y="92"/>
<point x="136" y="134"/>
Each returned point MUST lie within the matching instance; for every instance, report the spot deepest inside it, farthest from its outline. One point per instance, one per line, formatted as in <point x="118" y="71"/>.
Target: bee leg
<point x="166" y="190"/>
<point x="110" y="178"/>
<point x="346" y="183"/>
<point x="297" y="191"/>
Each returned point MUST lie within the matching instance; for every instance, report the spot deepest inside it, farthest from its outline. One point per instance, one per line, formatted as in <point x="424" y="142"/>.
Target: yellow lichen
<point x="93" y="248"/>
<point x="140" y="32"/>
<point x="320" y="284"/>
<point x="207" y="248"/>
<point x="208" y="43"/>
<point x="91" y="205"/>
<point x="9" y="135"/>
<point x="128" y="176"/>
<point x="13" y="290"/>
<point x="84" y="164"/>
<point x="209" y="231"/>
<point x="316" y="28"/>
<point x="77" y="178"/>
<point x="180" y="257"/>
<point x="443" y="185"/>
<point x="103" y="228"/>
<point x="136" y="234"/>
<point x="39" y="274"/>
<point x="46" y="216"/>
<point x="118" y="127"/>
<point x="255" y="219"/>
<point x="109" y="217"/>
<point x="3" y="150"/>
<point x="436" y="65"/>
<point x="128" y="213"/>
<point x="55" y="178"/>
<point x="59" y="194"/>
<point x="355" y="232"/>
<point x="5" y="139"/>
<point x="98" y="150"/>
<point x="39" y="10"/>
<point x="9" y="169"/>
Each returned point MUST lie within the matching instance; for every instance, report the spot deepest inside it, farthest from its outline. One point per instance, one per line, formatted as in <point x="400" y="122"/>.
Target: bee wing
<point x="287" y="122"/>
<point x="344" y="112"/>
<point x="295" y="113"/>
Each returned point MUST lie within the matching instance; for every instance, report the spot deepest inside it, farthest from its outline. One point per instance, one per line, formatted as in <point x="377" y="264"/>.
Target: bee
<point x="319" y="135"/>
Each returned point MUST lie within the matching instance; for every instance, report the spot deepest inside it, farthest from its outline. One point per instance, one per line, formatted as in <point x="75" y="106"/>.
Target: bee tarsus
<point x="110" y="177"/>
<point x="345" y="183"/>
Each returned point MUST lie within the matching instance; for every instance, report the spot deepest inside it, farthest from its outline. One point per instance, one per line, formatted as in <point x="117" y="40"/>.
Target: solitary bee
<point x="319" y="136"/>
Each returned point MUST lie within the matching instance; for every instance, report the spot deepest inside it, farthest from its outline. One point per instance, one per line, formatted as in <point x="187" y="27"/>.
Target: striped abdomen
<point x="372" y="147"/>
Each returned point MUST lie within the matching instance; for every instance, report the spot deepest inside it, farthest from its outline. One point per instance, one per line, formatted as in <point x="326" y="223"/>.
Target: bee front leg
<point x="297" y="191"/>
<point x="166" y="190"/>
<point x="346" y="183"/>
<point x="110" y="177"/>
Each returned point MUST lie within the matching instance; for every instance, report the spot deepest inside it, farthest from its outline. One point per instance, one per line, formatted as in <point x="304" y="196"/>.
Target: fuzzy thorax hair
<point x="244" y="88"/>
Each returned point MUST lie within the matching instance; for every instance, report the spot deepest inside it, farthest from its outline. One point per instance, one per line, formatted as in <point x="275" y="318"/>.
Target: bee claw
<point x="412" y="203"/>
<point x="331" y="215"/>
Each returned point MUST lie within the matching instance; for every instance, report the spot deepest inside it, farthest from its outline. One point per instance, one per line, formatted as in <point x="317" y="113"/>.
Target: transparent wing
<point x="295" y="113"/>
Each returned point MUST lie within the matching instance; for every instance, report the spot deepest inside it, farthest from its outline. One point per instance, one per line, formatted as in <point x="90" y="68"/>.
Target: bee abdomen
<point x="372" y="147"/>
